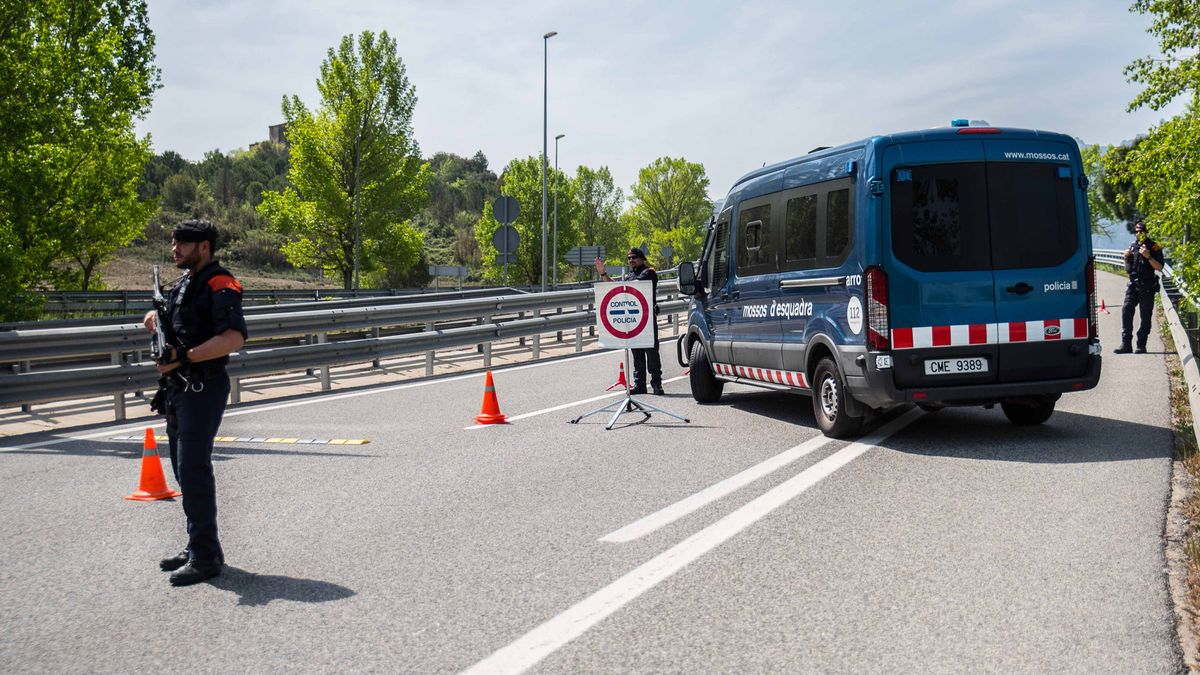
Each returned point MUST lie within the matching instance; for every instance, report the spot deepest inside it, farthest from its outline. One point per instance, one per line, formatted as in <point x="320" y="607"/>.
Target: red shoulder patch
<point x="223" y="282"/>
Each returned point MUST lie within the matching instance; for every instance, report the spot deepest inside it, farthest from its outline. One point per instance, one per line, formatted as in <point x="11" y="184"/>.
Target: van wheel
<point x="705" y="387"/>
<point x="829" y="402"/>
<point x="1028" y="413"/>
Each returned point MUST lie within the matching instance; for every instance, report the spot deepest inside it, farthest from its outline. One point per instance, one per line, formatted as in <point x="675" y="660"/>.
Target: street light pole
<point x="357" y="213"/>
<point x="545" y="127"/>
<point x="555" y="255"/>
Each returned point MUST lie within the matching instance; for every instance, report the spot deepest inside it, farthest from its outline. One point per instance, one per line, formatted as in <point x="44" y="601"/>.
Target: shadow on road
<point x="133" y="450"/>
<point x="256" y="590"/>
<point x="1066" y="438"/>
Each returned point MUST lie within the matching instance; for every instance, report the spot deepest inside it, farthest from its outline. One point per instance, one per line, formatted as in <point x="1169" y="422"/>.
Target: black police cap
<point x="195" y="231"/>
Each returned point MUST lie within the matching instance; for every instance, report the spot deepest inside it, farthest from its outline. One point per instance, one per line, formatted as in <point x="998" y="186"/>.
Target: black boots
<point x="174" y="562"/>
<point x="1123" y="349"/>
<point x="194" y="572"/>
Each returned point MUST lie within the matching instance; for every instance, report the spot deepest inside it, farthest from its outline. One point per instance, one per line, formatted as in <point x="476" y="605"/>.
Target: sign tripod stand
<point x="625" y="320"/>
<point x="629" y="404"/>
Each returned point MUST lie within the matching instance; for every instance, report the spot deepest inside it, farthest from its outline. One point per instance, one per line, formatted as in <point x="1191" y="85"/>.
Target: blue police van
<point x="950" y="266"/>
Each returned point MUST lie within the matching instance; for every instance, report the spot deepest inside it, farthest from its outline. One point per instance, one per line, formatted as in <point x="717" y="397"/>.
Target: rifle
<point x="158" y="341"/>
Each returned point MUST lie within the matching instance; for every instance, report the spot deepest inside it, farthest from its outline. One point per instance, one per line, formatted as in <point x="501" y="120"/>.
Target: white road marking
<point x="295" y="404"/>
<point x="550" y="636"/>
<point x="543" y="411"/>
<point x="683" y="507"/>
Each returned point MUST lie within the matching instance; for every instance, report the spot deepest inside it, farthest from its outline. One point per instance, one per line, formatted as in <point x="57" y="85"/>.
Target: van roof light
<point x="979" y="130"/>
<point x="960" y="123"/>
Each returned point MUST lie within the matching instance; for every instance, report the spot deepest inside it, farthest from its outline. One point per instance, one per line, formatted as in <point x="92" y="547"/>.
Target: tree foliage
<point x="522" y="180"/>
<point x="600" y="204"/>
<point x="355" y="167"/>
<point x="74" y="76"/>
<point x="670" y="208"/>
<point x="458" y="190"/>
<point x="1165" y="166"/>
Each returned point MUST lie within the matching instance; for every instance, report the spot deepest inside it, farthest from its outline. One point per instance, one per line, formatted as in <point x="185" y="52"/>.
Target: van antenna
<point x="818" y="149"/>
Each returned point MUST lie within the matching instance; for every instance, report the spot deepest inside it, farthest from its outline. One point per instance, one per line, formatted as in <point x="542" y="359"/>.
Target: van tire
<point x="706" y="388"/>
<point x="1028" y="414"/>
<point x="829" y="402"/>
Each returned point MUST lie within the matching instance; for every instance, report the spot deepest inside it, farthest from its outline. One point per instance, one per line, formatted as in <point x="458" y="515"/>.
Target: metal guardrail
<point x="1110" y="256"/>
<point x="499" y="318"/>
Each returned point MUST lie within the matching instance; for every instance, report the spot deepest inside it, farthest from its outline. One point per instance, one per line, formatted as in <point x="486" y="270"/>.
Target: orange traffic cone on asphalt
<point x="1103" y="308"/>
<point x="490" y="414"/>
<point x="620" y="379"/>
<point x="152" y="485"/>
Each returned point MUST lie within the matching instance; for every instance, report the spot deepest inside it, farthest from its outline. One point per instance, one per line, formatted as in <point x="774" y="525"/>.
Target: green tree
<point x="355" y="166"/>
<point x="1164" y="167"/>
<point x="670" y="207"/>
<point x="522" y="180"/>
<point x="74" y="76"/>
<point x="600" y="203"/>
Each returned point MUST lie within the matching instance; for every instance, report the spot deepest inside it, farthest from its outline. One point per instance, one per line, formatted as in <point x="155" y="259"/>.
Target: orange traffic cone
<point x="153" y="485"/>
<point x="490" y="414"/>
<point x="620" y="379"/>
<point x="1103" y="308"/>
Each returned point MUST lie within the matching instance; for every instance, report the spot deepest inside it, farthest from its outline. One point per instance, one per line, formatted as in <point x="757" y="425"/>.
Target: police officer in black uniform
<point x="205" y="308"/>
<point x="1143" y="259"/>
<point x="640" y="271"/>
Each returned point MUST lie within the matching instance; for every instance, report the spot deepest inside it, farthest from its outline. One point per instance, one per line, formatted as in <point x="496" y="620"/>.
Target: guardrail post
<point x="487" y="346"/>
<point x="375" y="336"/>
<point x="537" y="338"/>
<point x="579" y="333"/>
<point x="325" y="384"/>
<point x="25" y="367"/>
<point x="119" y="397"/>
<point x="235" y="390"/>
<point x="310" y="339"/>
<point x="592" y="326"/>
<point x="429" y="354"/>
<point x="521" y="340"/>
<point x="558" y="335"/>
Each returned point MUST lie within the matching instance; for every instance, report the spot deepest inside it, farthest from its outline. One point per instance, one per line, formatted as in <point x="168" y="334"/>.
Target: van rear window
<point x="1032" y="213"/>
<point x="939" y="217"/>
<point x="972" y="216"/>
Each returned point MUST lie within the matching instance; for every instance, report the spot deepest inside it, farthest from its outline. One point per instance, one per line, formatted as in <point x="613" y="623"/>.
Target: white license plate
<point x="955" y="366"/>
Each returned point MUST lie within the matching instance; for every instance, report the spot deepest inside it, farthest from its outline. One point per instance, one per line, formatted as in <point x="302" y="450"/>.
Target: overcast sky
<point x="729" y="85"/>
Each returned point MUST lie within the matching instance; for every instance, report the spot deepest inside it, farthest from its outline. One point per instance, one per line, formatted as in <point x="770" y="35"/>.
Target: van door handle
<point x="736" y="294"/>
<point x="1020" y="289"/>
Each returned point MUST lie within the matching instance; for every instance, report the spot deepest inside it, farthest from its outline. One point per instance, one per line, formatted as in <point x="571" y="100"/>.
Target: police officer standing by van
<point x="205" y="312"/>
<point x="1143" y="259"/>
<point x="646" y="357"/>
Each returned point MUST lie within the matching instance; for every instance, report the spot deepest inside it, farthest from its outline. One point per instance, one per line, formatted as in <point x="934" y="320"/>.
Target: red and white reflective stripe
<point x="1011" y="332"/>
<point x="788" y="378"/>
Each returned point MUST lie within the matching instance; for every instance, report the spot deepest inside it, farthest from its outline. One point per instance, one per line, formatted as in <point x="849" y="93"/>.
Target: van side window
<point x="720" y="254"/>
<point x="1032" y="212"/>
<point x="800" y="240"/>
<point x="756" y="248"/>
<point x="837" y="223"/>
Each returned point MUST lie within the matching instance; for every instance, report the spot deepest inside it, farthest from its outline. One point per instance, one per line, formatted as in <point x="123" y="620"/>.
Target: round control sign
<point x="624" y="312"/>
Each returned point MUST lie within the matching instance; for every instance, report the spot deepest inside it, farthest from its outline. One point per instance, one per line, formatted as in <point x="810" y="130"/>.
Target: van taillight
<point x="877" y="309"/>
<point x="1093" y="317"/>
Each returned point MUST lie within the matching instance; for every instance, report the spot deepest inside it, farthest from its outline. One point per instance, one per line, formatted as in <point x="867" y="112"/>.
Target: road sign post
<point x="506" y="210"/>
<point x="624" y="320"/>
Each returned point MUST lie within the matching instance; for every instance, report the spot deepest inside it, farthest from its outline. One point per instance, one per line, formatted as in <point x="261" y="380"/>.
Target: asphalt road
<point x="943" y="542"/>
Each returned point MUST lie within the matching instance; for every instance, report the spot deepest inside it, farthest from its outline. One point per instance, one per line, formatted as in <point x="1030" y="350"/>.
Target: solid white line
<point x="547" y="638"/>
<point x="601" y="397"/>
<point x="683" y="507"/>
<point x="294" y="404"/>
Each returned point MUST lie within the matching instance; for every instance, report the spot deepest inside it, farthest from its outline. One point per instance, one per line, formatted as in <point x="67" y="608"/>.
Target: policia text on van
<point x="950" y="266"/>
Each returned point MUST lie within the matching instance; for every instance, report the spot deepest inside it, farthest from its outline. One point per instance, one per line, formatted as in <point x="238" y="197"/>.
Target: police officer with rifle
<point x="1143" y="259"/>
<point x="195" y="329"/>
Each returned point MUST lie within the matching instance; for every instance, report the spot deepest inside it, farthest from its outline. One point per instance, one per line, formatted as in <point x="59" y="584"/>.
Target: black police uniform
<point x="203" y="304"/>
<point x="1139" y="294"/>
<point x="647" y="357"/>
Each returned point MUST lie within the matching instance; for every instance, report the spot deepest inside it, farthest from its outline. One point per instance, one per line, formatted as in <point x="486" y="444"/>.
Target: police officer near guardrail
<point x="205" y="312"/>
<point x="1143" y="259"/>
<point x="645" y="357"/>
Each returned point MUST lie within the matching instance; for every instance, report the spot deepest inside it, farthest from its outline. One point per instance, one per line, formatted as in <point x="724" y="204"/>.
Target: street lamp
<point x="545" y="100"/>
<point x="555" y="263"/>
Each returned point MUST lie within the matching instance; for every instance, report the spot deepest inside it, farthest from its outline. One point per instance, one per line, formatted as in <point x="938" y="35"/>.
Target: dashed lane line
<point x="547" y="638"/>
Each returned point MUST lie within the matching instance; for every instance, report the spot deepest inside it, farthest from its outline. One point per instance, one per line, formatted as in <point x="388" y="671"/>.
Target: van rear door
<point x="1039" y="257"/>
<point x="937" y="256"/>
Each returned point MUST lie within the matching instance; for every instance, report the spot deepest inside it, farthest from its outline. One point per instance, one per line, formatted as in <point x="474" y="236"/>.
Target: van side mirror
<point x="687" y="278"/>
